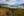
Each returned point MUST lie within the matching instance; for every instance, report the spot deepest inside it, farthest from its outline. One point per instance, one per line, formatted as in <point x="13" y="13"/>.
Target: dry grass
<point x="18" y="12"/>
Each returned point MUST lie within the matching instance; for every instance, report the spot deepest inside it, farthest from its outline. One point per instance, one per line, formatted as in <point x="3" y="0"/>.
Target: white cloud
<point x="11" y="1"/>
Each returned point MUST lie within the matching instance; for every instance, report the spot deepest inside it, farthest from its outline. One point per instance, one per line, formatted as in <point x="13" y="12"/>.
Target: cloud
<point x="8" y="2"/>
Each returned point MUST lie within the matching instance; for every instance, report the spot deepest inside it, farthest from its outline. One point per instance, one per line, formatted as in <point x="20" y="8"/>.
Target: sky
<point x="19" y="1"/>
<point x="10" y="2"/>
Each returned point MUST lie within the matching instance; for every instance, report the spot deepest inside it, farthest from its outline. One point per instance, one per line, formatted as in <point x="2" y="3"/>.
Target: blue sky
<point x="17" y="0"/>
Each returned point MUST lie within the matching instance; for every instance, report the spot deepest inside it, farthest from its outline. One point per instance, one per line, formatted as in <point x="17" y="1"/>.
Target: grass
<point x="19" y="12"/>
